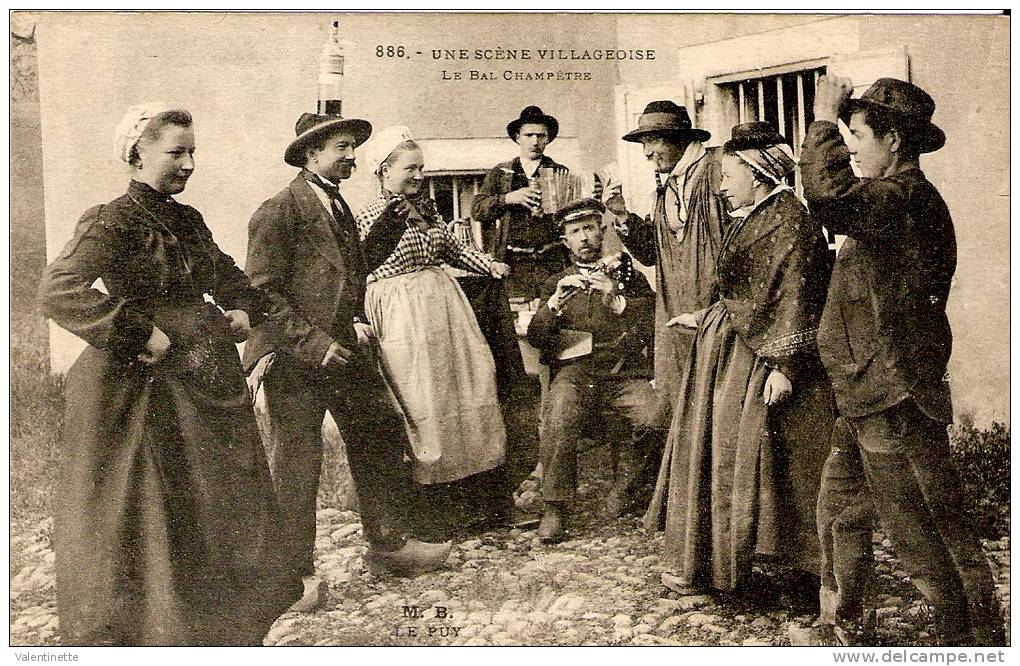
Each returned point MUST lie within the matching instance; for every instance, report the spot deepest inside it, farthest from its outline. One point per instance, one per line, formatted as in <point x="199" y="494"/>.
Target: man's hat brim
<point x="357" y="128"/>
<point x="551" y="124"/>
<point x="928" y="136"/>
<point x="693" y="133"/>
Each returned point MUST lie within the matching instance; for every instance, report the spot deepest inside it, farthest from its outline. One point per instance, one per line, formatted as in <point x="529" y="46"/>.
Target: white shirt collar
<point x="326" y="180"/>
<point x="321" y="193"/>
<point x="695" y="151"/>
<point x="531" y="166"/>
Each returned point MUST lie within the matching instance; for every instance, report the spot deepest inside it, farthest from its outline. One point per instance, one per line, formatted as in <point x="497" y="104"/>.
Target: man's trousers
<point x="578" y="401"/>
<point x="917" y="494"/>
<point x="373" y="433"/>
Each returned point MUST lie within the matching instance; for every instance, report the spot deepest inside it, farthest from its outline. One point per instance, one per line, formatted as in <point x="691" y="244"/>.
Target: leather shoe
<point x="412" y="559"/>
<point x="551" y="528"/>
<point x="315" y="595"/>
<point x="680" y="585"/>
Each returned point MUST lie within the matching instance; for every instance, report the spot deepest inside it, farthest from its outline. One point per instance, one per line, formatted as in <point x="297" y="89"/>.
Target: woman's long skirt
<point x="441" y="372"/>
<point x="166" y="527"/>
<point x="739" y="478"/>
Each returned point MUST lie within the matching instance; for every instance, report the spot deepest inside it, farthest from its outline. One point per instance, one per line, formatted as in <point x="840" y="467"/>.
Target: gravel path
<point x="600" y="587"/>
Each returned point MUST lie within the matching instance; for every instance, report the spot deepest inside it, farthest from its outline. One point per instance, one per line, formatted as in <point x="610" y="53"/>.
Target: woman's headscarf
<point x="776" y="162"/>
<point x="131" y="126"/>
<point x="763" y="149"/>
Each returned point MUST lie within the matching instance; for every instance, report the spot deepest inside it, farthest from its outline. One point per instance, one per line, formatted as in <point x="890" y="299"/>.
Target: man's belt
<point x="537" y="251"/>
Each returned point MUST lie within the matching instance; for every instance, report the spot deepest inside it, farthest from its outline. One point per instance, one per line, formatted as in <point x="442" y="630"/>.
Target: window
<point x="453" y="193"/>
<point x="785" y="99"/>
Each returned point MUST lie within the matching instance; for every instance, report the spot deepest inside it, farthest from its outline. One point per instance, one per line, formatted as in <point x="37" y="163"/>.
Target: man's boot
<point x="621" y="498"/>
<point x="315" y="595"/>
<point x="550" y="529"/>
<point x="412" y="559"/>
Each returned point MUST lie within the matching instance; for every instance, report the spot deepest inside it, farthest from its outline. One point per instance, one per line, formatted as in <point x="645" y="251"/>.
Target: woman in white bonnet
<point x="433" y="353"/>
<point x="166" y="527"/>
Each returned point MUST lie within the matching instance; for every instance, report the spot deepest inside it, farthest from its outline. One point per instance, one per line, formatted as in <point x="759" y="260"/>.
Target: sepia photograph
<point x="519" y="328"/>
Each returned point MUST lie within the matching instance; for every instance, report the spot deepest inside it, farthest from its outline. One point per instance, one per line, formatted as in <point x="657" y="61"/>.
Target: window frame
<point x="725" y="84"/>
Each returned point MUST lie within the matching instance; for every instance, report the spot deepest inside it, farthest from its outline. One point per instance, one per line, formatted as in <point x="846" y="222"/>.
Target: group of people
<point x="807" y="396"/>
<point x="775" y="401"/>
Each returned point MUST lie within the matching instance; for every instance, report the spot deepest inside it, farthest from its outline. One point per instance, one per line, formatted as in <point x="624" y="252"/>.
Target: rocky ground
<point x="602" y="586"/>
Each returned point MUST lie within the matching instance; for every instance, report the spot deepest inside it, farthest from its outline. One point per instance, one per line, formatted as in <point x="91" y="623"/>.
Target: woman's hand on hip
<point x="336" y="356"/>
<point x="240" y="324"/>
<point x="155" y="348"/>
<point x="777" y="388"/>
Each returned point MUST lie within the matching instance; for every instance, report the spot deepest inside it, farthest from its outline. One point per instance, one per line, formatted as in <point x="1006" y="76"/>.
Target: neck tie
<point x="336" y="205"/>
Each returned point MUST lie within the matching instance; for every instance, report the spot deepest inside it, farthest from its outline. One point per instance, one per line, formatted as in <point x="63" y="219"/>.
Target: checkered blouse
<point x="418" y="249"/>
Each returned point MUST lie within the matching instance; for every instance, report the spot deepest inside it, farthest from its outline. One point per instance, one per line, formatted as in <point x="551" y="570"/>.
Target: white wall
<point x="246" y="78"/>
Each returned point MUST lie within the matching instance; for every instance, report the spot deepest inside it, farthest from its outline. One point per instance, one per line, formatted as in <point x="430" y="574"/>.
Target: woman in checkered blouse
<point x="434" y="355"/>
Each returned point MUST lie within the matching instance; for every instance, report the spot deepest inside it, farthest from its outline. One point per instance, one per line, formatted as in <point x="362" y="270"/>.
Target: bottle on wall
<point x="331" y="73"/>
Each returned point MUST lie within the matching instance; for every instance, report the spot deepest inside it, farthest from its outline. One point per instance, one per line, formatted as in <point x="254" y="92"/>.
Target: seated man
<point x="595" y="332"/>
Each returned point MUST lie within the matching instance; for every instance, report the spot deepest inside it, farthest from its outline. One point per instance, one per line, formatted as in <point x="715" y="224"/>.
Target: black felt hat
<point x="533" y="114"/>
<point x="665" y="117"/>
<point x="911" y="104"/>
<point x="313" y="126"/>
<point x="757" y="134"/>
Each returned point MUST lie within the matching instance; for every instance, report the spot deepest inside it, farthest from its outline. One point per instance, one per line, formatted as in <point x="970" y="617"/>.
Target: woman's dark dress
<point x="166" y="527"/>
<point x="739" y="477"/>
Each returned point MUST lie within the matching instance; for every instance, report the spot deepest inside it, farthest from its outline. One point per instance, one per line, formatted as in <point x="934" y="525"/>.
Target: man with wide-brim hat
<point x="314" y="353"/>
<point x="665" y="117"/>
<point x="509" y="207"/>
<point x="613" y="310"/>
<point x="904" y="105"/>
<point x="680" y="236"/>
<point x="885" y="341"/>
<point x="313" y="127"/>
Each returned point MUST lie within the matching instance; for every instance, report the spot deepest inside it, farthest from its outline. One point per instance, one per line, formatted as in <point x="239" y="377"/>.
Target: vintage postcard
<point x="510" y="329"/>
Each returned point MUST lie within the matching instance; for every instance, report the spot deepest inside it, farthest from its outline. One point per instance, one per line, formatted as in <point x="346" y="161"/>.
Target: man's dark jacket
<point x="884" y="335"/>
<point x="314" y="268"/>
<point x="513" y="225"/>
<point x="621" y="342"/>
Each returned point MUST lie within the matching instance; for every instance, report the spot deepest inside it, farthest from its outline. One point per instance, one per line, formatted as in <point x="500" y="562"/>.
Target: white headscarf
<point x="131" y="126"/>
<point x="775" y="162"/>
<point x="382" y="144"/>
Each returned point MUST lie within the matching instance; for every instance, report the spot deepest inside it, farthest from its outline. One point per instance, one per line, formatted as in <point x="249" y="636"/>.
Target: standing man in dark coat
<point x="614" y="313"/>
<point x="303" y="248"/>
<point x="681" y="237"/>
<point x="509" y="207"/>
<point x="885" y="341"/>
